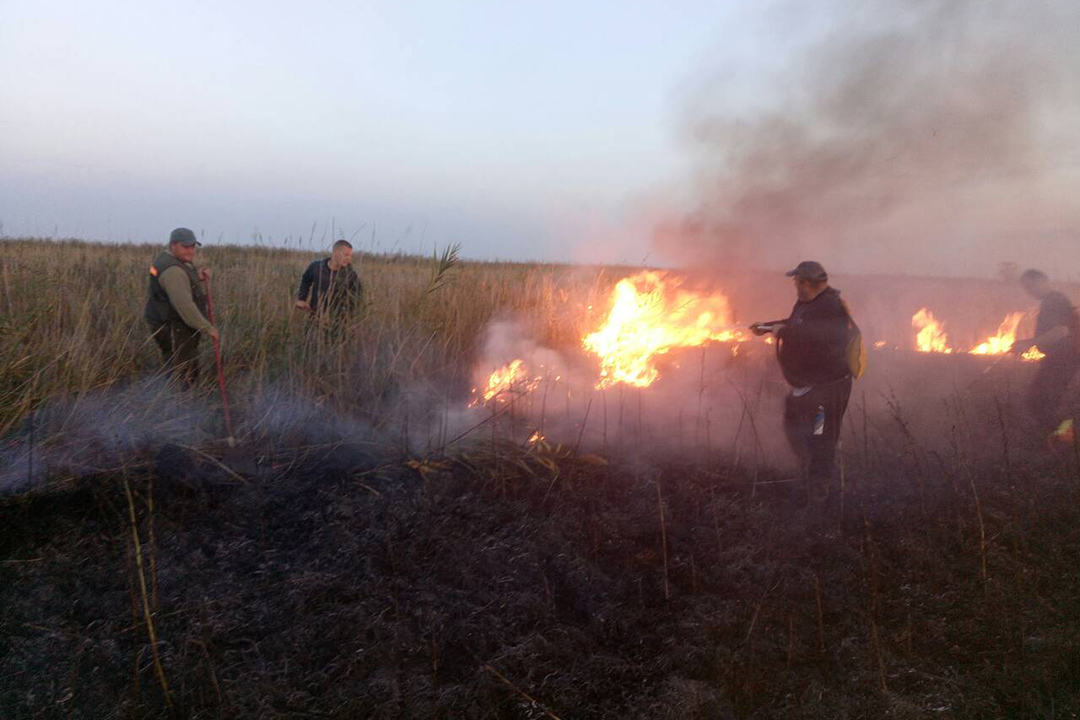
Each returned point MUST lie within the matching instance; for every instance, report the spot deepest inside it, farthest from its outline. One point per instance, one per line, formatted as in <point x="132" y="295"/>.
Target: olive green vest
<point x="158" y="308"/>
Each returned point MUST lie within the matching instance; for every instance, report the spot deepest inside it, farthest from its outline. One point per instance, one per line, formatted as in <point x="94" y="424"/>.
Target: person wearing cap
<point x="812" y="348"/>
<point x="1057" y="336"/>
<point x="176" y="306"/>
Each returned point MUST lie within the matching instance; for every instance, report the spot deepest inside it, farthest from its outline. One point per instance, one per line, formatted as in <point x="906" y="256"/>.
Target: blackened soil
<point x="528" y="585"/>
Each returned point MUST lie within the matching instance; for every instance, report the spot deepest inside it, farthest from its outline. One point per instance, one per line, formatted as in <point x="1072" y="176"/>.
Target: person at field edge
<point x="176" y="306"/>
<point x="330" y="286"/>
<point x="1057" y="335"/>
<point x="812" y="348"/>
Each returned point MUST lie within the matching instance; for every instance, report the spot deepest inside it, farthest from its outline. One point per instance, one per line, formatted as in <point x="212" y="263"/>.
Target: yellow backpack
<point x="856" y="348"/>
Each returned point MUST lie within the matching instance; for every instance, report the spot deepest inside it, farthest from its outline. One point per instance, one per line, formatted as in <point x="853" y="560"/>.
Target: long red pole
<point x="217" y="359"/>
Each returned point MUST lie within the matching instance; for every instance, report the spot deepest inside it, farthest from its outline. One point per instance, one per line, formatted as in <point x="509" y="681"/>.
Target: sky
<point x="917" y="136"/>
<point x="521" y="130"/>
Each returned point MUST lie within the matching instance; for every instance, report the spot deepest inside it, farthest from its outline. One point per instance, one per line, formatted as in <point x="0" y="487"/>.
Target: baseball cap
<point x="184" y="237"/>
<point x="809" y="270"/>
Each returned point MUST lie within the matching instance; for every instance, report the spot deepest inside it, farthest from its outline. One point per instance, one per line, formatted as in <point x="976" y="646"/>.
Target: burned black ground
<point x="510" y="583"/>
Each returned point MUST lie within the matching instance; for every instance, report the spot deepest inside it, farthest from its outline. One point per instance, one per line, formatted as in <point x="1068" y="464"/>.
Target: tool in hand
<point x="217" y="359"/>
<point x="762" y="329"/>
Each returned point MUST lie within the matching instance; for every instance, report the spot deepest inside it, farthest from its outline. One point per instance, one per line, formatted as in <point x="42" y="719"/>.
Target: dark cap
<point x="184" y="237"/>
<point x="809" y="270"/>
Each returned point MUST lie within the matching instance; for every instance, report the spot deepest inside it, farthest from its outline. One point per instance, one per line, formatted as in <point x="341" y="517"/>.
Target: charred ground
<point x="339" y="581"/>
<point x="342" y="566"/>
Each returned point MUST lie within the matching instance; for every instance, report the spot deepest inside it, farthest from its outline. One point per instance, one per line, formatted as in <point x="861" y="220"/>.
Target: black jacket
<point x="812" y="345"/>
<point x="330" y="289"/>
<point x="1054" y="310"/>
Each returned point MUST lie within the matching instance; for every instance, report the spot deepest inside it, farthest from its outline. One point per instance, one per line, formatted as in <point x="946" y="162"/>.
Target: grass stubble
<point x="708" y="595"/>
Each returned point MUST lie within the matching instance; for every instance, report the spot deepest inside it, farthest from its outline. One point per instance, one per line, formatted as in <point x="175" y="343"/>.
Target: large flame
<point x="650" y="316"/>
<point x="931" y="336"/>
<point x="505" y="383"/>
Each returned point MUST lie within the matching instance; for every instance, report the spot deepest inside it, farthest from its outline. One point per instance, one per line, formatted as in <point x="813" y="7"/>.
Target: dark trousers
<point x="179" y="346"/>
<point x="814" y="442"/>
<point x="1049" y="390"/>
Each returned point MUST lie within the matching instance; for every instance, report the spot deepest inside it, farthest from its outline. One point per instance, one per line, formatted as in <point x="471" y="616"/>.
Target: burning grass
<point x="378" y="548"/>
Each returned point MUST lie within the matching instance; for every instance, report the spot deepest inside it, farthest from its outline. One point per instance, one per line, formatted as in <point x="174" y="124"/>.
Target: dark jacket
<point x="159" y="308"/>
<point x="1056" y="310"/>
<point x="337" y="290"/>
<point x="812" y="345"/>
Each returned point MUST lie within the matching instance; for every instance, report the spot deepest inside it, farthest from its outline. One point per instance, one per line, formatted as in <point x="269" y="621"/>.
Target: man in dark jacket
<point x="176" y="306"/>
<point x="1057" y="336"/>
<point x="330" y="285"/>
<point x="812" y="345"/>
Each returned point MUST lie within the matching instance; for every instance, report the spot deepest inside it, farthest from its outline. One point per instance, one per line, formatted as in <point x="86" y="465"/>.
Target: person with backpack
<point x="176" y="308"/>
<point x="1057" y="336"/>
<point x="820" y="351"/>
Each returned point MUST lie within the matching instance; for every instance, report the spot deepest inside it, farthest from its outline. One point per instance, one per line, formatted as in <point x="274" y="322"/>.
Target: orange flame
<point x="1033" y="354"/>
<point x="1003" y="340"/>
<point x="512" y="378"/>
<point x="650" y="316"/>
<point x="931" y="337"/>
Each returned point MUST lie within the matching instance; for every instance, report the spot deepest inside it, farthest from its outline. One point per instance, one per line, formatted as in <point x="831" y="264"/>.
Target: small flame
<point x="1003" y="340"/>
<point x="650" y="316"/>
<point x="879" y="344"/>
<point x="1033" y="354"/>
<point x="535" y="437"/>
<point x="512" y="378"/>
<point x="931" y="337"/>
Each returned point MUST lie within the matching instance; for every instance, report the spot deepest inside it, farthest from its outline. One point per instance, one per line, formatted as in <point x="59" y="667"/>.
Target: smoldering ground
<point x="509" y="581"/>
<point x="914" y="136"/>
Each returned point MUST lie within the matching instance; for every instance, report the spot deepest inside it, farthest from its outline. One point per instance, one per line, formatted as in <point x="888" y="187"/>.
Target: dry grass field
<point x="638" y="562"/>
<point x="72" y="322"/>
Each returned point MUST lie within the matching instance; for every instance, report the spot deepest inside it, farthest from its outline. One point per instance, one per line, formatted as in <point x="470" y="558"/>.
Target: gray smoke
<point x="922" y="136"/>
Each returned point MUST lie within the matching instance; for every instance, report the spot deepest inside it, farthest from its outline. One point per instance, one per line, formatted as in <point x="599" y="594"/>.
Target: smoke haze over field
<point x="923" y="136"/>
<point x="914" y="136"/>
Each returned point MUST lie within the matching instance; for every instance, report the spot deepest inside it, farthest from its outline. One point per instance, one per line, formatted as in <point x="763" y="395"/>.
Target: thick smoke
<point x="916" y="136"/>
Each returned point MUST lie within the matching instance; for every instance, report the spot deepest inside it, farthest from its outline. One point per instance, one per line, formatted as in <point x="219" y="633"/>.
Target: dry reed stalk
<point x="790" y="639"/>
<point x="529" y="698"/>
<point x="865" y="437"/>
<point x="759" y="451"/>
<point x="145" y="599"/>
<point x="513" y="418"/>
<point x="212" y="671"/>
<point x="152" y="542"/>
<point x="982" y="537"/>
<point x="1003" y="427"/>
<point x="820" y="615"/>
<point x="700" y="399"/>
<point x="30" y="457"/>
<point x="843" y="486"/>
<point x="719" y="544"/>
<point x="584" y="422"/>
<point x="543" y="404"/>
<point x="637" y="432"/>
<point x="663" y="540"/>
<point x="870" y="573"/>
<point x="603" y="404"/>
<point x="619" y="436"/>
<point x="878" y="655"/>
